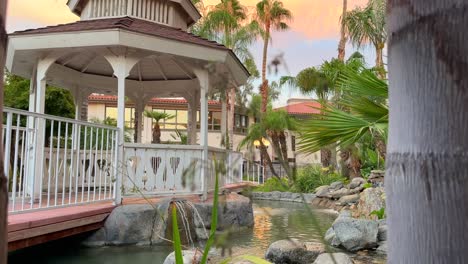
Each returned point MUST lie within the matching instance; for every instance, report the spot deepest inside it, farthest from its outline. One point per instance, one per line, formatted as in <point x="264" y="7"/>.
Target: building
<point x="301" y="109"/>
<point x="104" y="106"/>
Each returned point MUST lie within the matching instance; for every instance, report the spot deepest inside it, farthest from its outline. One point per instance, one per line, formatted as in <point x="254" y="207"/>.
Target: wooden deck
<point x="47" y="224"/>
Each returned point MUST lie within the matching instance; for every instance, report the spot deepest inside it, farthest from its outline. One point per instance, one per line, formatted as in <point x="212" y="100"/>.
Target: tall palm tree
<point x="343" y="38"/>
<point x="227" y="23"/>
<point x="427" y="170"/>
<point x="271" y="14"/>
<point x="367" y="25"/>
<point x="157" y="117"/>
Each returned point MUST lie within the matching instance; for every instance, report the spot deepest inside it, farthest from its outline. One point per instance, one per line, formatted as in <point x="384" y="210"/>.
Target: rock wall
<point x="145" y="224"/>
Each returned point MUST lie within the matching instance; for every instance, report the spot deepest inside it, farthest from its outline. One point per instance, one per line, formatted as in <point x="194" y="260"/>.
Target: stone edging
<point x="284" y="196"/>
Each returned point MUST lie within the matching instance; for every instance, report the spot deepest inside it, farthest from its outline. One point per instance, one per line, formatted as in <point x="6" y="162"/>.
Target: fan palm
<point x="157" y="117"/>
<point x="271" y="14"/>
<point x="366" y="99"/>
<point x="367" y="25"/>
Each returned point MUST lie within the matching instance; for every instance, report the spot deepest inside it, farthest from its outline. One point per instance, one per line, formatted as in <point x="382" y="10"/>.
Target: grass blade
<point x="214" y="216"/>
<point x="176" y="237"/>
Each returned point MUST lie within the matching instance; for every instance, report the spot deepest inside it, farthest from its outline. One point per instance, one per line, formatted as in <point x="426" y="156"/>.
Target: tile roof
<point x="126" y="23"/>
<point x="304" y="108"/>
<point x="113" y="98"/>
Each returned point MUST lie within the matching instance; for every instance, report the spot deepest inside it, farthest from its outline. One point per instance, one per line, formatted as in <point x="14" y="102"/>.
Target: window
<point x="111" y="112"/>
<point x="241" y="123"/>
<point x="179" y="120"/>
<point x="214" y="120"/>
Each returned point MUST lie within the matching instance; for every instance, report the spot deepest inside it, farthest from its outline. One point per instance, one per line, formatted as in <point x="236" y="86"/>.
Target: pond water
<point x="273" y="221"/>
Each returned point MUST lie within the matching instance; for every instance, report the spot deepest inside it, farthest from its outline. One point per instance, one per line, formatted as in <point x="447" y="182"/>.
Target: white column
<point x="231" y="120"/>
<point x="203" y="78"/>
<point x="224" y="121"/>
<point x="121" y="66"/>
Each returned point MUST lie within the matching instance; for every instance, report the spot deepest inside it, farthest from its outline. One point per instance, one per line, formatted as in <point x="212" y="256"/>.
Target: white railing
<point x="176" y="169"/>
<point x="254" y="172"/>
<point x="52" y="161"/>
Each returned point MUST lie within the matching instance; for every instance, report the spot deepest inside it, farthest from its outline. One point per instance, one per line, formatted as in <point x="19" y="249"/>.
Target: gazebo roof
<point x="126" y="23"/>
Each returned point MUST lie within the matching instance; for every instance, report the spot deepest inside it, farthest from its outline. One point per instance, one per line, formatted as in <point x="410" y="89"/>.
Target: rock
<point x="356" y="182"/>
<point x="371" y="199"/>
<point x="336" y="185"/>
<point x="354" y="234"/>
<point x="322" y="191"/>
<point x="349" y="199"/>
<point x="376" y="177"/>
<point x="330" y="237"/>
<point x="345" y="213"/>
<point x="309" y="197"/>
<point x="337" y="258"/>
<point x="293" y="251"/>
<point x="133" y="224"/>
<point x="382" y="249"/>
<point x="189" y="256"/>
<point x="340" y="193"/>
<point x="382" y="233"/>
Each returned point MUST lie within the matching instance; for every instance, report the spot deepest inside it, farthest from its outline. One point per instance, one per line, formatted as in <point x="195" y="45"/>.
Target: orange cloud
<point x="44" y="12"/>
<point x="316" y="19"/>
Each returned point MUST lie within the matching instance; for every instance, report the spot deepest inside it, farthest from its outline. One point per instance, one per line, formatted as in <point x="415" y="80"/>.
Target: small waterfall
<point x="197" y="214"/>
<point x="185" y="221"/>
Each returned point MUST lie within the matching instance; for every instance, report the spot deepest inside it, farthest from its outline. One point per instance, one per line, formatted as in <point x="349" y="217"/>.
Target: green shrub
<point x="311" y="177"/>
<point x="274" y="184"/>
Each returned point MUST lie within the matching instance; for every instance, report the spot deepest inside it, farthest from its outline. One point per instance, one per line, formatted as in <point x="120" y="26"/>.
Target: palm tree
<point x="343" y="38"/>
<point x="225" y="23"/>
<point x="273" y="126"/>
<point x="364" y="113"/>
<point x="271" y="14"/>
<point x="426" y="182"/>
<point x="367" y="25"/>
<point x="157" y="117"/>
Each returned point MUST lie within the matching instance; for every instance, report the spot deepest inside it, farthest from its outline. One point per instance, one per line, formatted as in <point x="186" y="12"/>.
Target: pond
<point x="273" y="221"/>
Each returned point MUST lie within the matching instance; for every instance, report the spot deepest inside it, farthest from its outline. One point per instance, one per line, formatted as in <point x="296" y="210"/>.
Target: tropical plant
<point x="272" y="126"/>
<point x="311" y="177"/>
<point x="380" y="214"/>
<point x="181" y="137"/>
<point x="271" y="14"/>
<point x="157" y="117"/>
<point x="363" y="112"/>
<point x="367" y="25"/>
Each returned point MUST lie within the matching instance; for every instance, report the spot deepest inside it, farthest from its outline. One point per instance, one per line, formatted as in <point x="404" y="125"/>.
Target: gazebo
<point x="137" y="50"/>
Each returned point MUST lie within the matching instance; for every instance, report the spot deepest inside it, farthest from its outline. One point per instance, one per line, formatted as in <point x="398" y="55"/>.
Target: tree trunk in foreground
<point x="427" y="161"/>
<point x="264" y="88"/>
<point x="3" y="179"/>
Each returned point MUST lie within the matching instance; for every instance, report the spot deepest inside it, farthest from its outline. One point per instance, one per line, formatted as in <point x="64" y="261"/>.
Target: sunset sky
<point x="313" y="36"/>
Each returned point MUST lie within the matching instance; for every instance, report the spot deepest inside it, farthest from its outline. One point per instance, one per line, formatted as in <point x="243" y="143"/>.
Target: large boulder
<point x="371" y="199"/>
<point x="382" y="249"/>
<point x="334" y="258"/>
<point x="293" y="252"/>
<point x="356" y="182"/>
<point x="336" y="185"/>
<point x="322" y="191"/>
<point x="349" y="199"/>
<point x="353" y="234"/>
<point x="382" y="235"/>
<point x="189" y="256"/>
<point x="139" y="224"/>
<point x="341" y="192"/>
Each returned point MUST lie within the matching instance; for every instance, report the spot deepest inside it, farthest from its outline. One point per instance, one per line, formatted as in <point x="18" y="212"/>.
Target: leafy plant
<point x="181" y="137"/>
<point x="311" y="177"/>
<point x="157" y="117"/>
<point x="379" y="213"/>
<point x="368" y="185"/>
<point x="274" y="184"/>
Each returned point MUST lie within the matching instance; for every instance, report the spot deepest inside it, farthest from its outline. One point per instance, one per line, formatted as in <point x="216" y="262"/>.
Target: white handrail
<point x="53" y="161"/>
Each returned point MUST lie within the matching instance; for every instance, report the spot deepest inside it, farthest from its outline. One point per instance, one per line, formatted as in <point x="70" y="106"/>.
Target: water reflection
<point x="273" y="221"/>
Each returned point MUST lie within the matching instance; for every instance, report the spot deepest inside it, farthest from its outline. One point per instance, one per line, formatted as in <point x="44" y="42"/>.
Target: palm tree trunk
<point x="264" y="87"/>
<point x="3" y="178"/>
<point x="156" y="133"/>
<point x="379" y="61"/>
<point x="427" y="165"/>
<point x="343" y="38"/>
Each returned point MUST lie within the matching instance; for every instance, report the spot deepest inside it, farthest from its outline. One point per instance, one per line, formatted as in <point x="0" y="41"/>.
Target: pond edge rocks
<point x="147" y="224"/>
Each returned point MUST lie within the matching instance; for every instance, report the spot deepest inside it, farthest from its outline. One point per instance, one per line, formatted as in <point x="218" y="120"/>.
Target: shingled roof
<point x="126" y="23"/>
